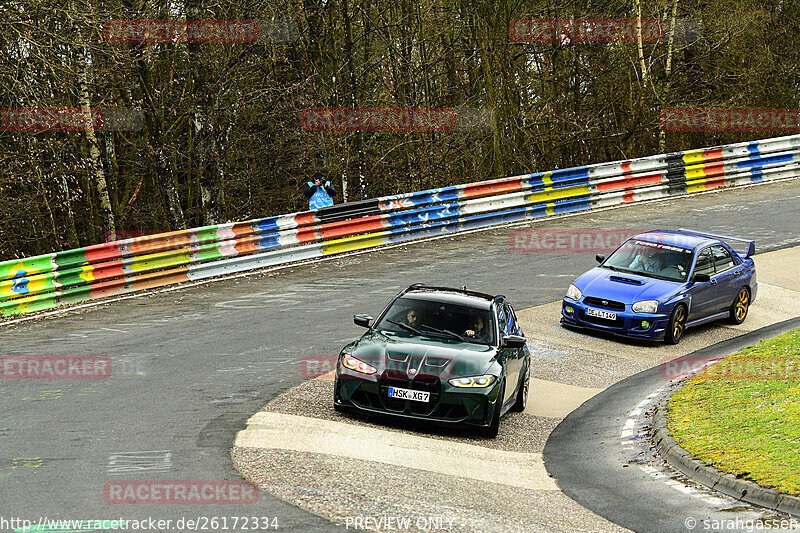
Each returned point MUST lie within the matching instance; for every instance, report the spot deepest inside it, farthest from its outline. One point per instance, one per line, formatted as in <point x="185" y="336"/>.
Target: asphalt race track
<point x="191" y="366"/>
<point x="598" y="482"/>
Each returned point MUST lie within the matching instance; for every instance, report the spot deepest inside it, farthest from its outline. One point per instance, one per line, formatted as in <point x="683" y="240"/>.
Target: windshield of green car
<point x="417" y="317"/>
<point x="651" y="259"/>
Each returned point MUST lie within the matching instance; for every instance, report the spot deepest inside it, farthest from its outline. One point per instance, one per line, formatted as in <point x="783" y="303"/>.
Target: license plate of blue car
<point x="599" y="313"/>
<point x="408" y="394"/>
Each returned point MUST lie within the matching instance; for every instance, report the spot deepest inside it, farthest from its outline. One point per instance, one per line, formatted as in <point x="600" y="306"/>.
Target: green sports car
<point x="448" y="356"/>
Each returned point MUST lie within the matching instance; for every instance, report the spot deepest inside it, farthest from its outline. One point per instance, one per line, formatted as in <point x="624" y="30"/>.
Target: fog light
<point x="569" y="310"/>
<point x="645" y="324"/>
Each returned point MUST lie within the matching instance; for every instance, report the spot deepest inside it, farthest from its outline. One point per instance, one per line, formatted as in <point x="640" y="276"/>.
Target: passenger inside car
<point x="677" y="264"/>
<point x="412" y="318"/>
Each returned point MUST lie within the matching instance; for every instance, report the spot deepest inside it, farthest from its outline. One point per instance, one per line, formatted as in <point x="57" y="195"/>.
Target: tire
<point x="522" y="393"/>
<point x="676" y="325"/>
<point x="740" y="306"/>
<point x="494" y="425"/>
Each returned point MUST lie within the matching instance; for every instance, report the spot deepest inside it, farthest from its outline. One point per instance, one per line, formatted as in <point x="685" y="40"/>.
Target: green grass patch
<point x="742" y="415"/>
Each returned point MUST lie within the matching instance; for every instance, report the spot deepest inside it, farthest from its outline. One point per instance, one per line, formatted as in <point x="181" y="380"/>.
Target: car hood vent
<point x="629" y="281"/>
<point x="400" y="357"/>
<point x="413" y="366"/>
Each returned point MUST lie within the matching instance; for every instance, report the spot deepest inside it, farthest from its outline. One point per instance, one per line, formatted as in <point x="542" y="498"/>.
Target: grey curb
<point x="746" y="491"/>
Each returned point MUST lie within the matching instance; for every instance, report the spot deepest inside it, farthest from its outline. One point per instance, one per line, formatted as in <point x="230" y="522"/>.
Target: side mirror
<point x="513" y="341"/>
<point x="600" y="258"/>
<point x="701" y="278"/>
<point x="362" y="320"/>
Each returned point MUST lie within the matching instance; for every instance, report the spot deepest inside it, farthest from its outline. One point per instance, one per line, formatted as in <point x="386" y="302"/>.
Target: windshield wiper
<point x="623" y="270"/>
<point x="444" y="331"/>
<point x="406" y="327"/>
<point x="644" y="273"/>
<point x="656" y="276"/>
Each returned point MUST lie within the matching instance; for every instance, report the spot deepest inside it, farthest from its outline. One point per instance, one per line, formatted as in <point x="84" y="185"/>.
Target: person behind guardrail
<point x="319" y="192"/>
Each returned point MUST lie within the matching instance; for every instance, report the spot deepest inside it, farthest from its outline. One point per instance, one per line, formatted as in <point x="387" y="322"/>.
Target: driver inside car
<point x="646" y="263"/>
<point x="477" y="329"/>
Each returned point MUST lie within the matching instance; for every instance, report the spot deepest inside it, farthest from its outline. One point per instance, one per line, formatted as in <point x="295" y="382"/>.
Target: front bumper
<point x="448" y="405"/>
<point x="650" y="326"/>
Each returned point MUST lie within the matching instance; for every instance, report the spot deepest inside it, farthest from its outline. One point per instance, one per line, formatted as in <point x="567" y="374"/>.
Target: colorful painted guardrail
<point x="73" y="276"/>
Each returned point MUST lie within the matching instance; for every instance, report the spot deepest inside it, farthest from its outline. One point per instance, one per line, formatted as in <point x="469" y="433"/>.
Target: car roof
<point x="450" y="295"/>
<point x="676" y="238"/>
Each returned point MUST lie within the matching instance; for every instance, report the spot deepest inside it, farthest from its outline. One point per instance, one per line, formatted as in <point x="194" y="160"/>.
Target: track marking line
<point x="361" y="443"/>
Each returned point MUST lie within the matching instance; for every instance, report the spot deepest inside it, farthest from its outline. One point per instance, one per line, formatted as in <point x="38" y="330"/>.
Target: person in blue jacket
<point x="319" y="192"/>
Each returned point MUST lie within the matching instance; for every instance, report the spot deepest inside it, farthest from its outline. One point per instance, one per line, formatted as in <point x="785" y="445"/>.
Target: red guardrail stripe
<point x="471" y="191"/>
<point x="630" y="182"/>
<point x="102" y="252"/>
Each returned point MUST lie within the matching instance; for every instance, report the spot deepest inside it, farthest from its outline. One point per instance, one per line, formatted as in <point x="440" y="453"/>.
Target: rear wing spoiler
<point x="751" y="245"/>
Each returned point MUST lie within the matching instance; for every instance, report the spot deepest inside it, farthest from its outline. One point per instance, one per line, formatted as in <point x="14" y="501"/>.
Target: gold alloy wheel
<point x="677" y="325"/>
<point x="742" y="304"/>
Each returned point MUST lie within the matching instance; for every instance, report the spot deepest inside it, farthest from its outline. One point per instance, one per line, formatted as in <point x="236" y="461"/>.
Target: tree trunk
<point x="200" y="168"/>
<point x="72" y="232"/>
<point x="43" y="191"/>
<point x="113" y="171"/>
<point x="95" y="162"/>
<point x="453" y="94"/>
<point x="354" y="99"/>
<point x="662" y="136"/>
<point x="638" y="5"/>
<point x="165" y="175"/>
<point x="491" y="100"/>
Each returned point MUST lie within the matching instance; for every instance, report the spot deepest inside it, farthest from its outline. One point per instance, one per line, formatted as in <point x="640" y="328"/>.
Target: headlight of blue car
<point x="646" y="306"/>
<point x="573" y="293"/>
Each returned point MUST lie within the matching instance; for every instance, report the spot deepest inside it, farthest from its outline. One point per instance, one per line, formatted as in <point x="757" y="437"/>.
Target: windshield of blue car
<point x="415" y="317"/>
<point x="651" y="259"/>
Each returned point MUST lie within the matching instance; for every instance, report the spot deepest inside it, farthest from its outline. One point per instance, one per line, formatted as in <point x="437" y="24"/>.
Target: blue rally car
<point x="658" y="283"/>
